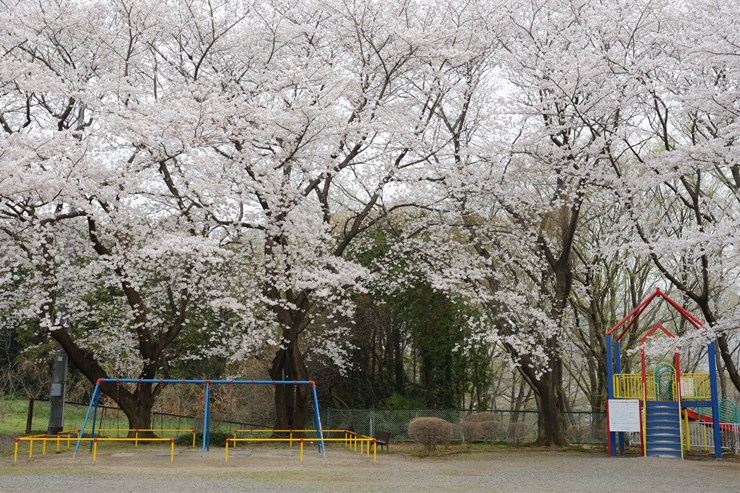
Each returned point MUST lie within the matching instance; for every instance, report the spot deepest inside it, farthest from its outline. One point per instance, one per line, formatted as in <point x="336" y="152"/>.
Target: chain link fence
<point x="514" y="427"/>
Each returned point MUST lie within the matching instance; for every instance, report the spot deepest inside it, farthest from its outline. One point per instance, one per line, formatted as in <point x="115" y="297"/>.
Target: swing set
<point x="95" y="402"/>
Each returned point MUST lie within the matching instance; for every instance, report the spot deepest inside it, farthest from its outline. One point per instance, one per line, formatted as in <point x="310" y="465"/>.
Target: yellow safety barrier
<point x="136" y="432"/>
<point x="291" y="434"/>
<point x="69" y="438"/>
<point x="43" y="437"/>
<point x="95" y="441"/>
<point x="362" y="440"/>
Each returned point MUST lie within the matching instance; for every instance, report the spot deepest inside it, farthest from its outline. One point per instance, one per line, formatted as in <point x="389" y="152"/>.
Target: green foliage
<point x="438" y="328"/>
<point x="399" y="401"/>
<point x="416" y="347"/>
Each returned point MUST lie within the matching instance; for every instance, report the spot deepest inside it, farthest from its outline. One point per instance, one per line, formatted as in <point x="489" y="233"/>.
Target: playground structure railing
<point x="629" y="386"/>
<point x="44" y="439"/>
<point x="699" y="436"/>
<point x="695" y="386"/>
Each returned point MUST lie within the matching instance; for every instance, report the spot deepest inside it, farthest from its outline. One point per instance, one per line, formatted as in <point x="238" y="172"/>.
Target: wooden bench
<point x="383" y="438"/>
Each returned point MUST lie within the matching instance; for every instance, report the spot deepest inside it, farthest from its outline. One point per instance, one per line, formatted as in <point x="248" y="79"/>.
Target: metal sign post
<point x="56" y="398"/>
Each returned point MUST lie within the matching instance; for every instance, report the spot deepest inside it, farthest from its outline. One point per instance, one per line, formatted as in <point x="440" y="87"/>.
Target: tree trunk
<point x="550" y="423"/>
<point x="548" y="392"/>
<point x="137" y="406"/>
<point x="139" y="417"/>
<point x="723" y="348"/>
<point x="291" y="401"/>
<point x="726" y="356"/>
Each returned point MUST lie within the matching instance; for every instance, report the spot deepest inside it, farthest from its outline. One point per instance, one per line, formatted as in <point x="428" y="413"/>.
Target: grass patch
<point x="13" y="414"/>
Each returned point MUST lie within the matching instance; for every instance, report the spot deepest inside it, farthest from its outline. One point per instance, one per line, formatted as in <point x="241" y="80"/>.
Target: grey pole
<point x="59" y="374"/>
<point x="56" y="414"/>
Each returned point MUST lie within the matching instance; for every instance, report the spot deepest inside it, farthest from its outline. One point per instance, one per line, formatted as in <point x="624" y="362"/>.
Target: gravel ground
<point x="265" y="470"/>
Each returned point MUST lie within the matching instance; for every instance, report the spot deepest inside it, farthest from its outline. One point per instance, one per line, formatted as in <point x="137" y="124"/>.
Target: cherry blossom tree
<point x="193" y="179"/>
<point x="98" y="234"/>
<point x="190" y="156"/>
<point x="683" y="163"/>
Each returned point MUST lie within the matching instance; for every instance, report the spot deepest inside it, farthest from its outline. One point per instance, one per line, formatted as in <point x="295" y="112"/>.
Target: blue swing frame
<point x="95" y="400"/>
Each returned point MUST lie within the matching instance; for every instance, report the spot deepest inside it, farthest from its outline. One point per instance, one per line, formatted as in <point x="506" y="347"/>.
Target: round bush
<point x="481" y="427"/>
<point x="430" y="432"/>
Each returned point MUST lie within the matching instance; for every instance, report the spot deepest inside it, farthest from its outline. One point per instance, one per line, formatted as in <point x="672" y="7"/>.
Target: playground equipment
<point x="95" y="400"/>
<point x="66" y="438"/>
<point x="349" y="440"/>
<point x="654" y="404"/>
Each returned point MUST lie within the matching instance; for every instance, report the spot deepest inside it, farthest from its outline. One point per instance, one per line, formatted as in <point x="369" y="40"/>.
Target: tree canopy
<point x="182" y="180"/>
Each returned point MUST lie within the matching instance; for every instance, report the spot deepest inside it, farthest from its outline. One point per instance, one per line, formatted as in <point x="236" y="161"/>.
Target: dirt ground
<point x="261" y="469"/>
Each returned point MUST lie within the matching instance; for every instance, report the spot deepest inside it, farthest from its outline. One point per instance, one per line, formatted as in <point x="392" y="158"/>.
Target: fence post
<point x="372" y="422"/>
<point x="29" y="416"/>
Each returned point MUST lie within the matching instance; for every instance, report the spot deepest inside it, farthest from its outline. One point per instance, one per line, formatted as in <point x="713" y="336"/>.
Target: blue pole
<point x="610" y="393"/>
<point x="317" y="419"/>
<point x="618" y="369"/>
<point x="715" y="400"/>
<point x="617" y="358"/>
<point x="206" y="420"/>
<point x="206" y="411"/>
<point x="95" y="418"/>
<point x="87" y="415"/>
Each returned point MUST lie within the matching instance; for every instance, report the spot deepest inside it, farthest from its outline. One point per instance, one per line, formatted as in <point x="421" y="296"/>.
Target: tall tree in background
<point x="686" y="162"/>
<point x="111" y="254"/>
<point x="184" y="179"/>
<point x="159" y="141"/>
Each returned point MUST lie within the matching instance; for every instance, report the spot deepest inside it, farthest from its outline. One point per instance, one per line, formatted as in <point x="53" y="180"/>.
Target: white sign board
<point x="624" y="415"/>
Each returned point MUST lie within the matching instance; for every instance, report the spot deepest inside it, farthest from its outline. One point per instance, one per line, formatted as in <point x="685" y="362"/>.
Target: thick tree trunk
<point x="550" y="423"/>
<point x="548" y="391"/>
<point x="137" y="405"/>
<point x="138" y="410"/>
<point x="292" y="402"/>
<point x="550" y="404"/>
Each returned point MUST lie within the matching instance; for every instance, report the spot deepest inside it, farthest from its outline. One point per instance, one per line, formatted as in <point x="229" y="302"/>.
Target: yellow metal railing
<point x="651" y="391"/>
<point x="629" y="386"/>
<point x="695" y="386"/>
<point x="292" y="434"/>
<point x="366" y="444"/>
<point x="136" y="432"/>
<point x="44" y="439"/>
